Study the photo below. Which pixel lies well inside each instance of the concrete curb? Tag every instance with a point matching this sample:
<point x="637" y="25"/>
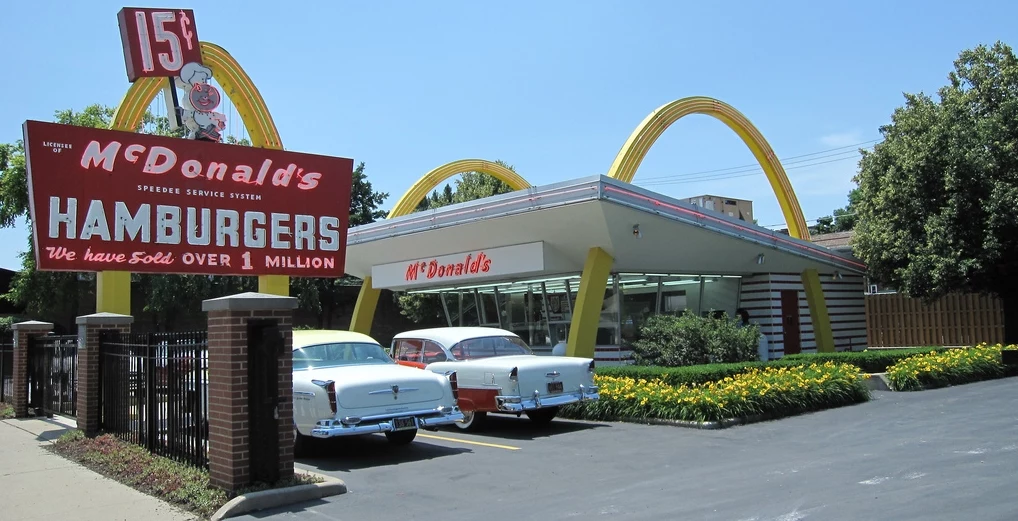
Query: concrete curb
<point x="277" y="497"/>
<point x="878" y="382"/>
<point x="712" y="425"/>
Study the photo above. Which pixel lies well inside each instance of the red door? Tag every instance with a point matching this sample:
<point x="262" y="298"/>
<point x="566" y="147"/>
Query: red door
<point x="790" y="322"/>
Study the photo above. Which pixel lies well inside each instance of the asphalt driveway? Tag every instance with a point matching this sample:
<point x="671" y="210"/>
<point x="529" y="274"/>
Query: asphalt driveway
<point x="948" y="454"/>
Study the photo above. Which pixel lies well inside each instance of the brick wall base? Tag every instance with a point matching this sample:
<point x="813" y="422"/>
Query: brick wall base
<point x="229" y="411"/>
<point x="89" y="327"/>
<point x="23" y="333"/>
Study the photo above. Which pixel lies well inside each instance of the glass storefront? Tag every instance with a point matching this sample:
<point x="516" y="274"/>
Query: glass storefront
<point x="540" y="310"/>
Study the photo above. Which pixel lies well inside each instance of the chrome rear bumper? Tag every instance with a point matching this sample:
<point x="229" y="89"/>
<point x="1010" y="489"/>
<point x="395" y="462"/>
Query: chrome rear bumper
<point x="351" y="426"/>
<point x="536" y="401"/>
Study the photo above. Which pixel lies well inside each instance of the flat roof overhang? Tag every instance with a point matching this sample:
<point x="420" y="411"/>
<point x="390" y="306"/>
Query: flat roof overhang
<point x="571" y="217"/>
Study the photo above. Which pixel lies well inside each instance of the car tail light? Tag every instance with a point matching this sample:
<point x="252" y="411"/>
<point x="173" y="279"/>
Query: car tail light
<point x="590" y="368"/>
<point x="455" y="386"/>
<point x="330" y="390"/>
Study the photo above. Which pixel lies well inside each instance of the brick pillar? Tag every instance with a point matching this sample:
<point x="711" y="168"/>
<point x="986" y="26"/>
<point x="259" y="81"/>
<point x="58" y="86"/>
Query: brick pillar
<point x="229" y="413"/>
<point x="89" y="327"/>
<point x="23" y="331"/>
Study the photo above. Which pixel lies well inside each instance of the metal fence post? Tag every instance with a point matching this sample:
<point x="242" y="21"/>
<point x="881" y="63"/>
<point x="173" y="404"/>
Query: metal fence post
<point x="150" y="392"/>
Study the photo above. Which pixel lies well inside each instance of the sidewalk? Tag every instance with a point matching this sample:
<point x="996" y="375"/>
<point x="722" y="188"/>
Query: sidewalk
<point x="36" y="484"/>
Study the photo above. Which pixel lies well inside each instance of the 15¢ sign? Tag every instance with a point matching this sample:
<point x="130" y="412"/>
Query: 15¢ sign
<point x="158" y="42"/>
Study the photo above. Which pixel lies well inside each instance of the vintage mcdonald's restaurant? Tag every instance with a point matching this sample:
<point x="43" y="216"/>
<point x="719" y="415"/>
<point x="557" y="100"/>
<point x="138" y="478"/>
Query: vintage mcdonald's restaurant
<point x="588" y="260"/>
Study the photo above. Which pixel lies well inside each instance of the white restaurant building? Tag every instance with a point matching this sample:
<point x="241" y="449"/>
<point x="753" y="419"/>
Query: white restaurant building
<point x="515" y="261"/>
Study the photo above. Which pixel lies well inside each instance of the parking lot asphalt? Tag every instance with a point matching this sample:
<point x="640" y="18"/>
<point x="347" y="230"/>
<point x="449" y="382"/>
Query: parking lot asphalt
<point x="947" y="454"/>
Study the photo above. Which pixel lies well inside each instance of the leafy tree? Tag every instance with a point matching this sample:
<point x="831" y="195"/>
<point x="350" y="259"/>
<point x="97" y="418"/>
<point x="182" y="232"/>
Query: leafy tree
<point x="843" y="220"/>
<point x="58" y="295"/>
<point x="50" y="295"/>
<point x="938" y="196"/>
<point x="427" y="308"/>
<point x="323" y="295"/>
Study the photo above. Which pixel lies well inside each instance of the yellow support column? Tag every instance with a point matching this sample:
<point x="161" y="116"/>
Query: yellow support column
<point x="274" y="285"/>
<point x="818" y="311"/>
<point x="113" y="292"/>
<point x="589" y="299"/>
<point x="364" y="309"/>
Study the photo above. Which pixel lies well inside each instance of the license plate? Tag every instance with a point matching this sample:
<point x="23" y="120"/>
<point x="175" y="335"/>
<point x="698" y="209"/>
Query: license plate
<point x="403" y="424"/>
<point x="554" y="387"/>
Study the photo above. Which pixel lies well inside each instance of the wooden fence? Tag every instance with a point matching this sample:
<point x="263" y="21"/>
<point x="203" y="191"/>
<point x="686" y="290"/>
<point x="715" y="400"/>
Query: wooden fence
<point x="893" y="320"/>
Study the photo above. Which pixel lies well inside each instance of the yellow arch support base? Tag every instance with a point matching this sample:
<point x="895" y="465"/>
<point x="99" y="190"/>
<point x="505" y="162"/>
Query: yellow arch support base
<point x="364" y="309"/>
<point x="113" y="289"/>
<point x="113" y="292"/>
<point x="818" y="311"/>
<point x="367" y="299"/>
<point x="589" y="299"/>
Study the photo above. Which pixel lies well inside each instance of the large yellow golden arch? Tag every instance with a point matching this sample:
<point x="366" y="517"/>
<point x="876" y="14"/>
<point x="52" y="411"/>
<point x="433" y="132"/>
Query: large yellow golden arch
<point x="650" y="129"/>
<point x="583" y="333"/>
<point x="113" y="288"/>
<point x="367" y="299"/>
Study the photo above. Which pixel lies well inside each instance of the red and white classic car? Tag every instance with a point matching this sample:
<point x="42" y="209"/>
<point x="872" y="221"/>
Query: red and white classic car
<point x="497" y="372"/>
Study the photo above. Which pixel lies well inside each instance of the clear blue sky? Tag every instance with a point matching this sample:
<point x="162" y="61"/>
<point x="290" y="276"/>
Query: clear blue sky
<point x="553" y="88"/>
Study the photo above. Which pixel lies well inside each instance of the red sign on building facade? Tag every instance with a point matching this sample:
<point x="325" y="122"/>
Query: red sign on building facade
<point x="158" y="42"/>
<point x="108" y="200"/>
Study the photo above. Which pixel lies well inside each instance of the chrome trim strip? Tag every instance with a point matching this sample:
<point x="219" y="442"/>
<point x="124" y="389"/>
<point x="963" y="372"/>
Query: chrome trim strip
<point x="397" y="391"/>
<point x="334" y="428"/>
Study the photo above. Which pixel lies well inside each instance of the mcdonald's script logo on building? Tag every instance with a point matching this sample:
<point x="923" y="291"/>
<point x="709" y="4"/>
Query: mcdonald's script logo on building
<point x="107" y="200"/>
<point x="481" y="263"/>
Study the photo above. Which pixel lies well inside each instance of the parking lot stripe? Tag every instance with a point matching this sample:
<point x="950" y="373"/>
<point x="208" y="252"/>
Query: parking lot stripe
<point x="457" y="440"/>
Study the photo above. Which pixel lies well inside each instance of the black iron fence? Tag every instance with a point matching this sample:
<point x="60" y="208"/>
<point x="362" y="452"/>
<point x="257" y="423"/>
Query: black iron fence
<point x="6" y="366"/>
<point x="53" y="374"/>
<point x="154" y="392"/>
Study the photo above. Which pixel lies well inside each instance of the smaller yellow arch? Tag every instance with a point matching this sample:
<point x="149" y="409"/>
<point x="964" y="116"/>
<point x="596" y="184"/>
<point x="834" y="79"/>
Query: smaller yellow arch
<point x="367" y="299"/>
<point x="650" y="129"/>
<point x="432" y="179"/>
<point x="113" y="288"/>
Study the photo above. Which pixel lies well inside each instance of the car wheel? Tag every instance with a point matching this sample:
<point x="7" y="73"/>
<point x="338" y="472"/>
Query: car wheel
<point x="401" y="437"/>
<point x="472" y="420"/>
<point x="542" y="416"/>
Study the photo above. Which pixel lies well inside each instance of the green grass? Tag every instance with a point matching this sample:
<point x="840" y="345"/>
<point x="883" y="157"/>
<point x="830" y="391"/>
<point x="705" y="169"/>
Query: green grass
<point x="6" y="411"/>
<point x="183" y="485"/>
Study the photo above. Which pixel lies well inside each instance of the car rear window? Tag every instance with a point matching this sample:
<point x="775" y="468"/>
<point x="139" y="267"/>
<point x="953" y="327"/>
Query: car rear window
<point x="489" y="347"/>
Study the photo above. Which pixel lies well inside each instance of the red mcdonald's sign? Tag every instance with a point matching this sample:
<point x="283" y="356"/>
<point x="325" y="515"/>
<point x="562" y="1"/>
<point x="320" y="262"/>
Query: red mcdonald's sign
<point x="109" y="200"/>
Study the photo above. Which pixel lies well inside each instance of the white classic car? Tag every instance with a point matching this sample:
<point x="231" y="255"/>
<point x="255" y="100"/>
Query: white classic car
<point x="345" y="384"/>
<point x="497" y="372"/>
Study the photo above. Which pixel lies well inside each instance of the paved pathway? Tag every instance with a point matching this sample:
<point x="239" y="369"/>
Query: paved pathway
<point x="36" y="484"/>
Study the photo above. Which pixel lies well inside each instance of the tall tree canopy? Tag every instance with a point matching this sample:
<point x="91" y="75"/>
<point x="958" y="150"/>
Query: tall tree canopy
<point x="842" y="220"/>
<point x="938" y="195"/>
<point x="322" y="295"/>
<point x="470" y="186"/>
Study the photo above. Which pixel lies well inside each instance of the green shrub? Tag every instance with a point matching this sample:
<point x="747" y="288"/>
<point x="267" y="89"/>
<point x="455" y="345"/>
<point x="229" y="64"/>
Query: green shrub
<point x="686" y="340"/>
<point x="870" y="361"/>
<point x="5" y="324"/>
<point x="950" y="367"/>
<point x="774" y="391"/>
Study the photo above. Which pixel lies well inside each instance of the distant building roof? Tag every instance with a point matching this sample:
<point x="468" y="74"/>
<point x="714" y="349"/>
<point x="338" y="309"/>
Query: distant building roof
<point x="838" y="241"/>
